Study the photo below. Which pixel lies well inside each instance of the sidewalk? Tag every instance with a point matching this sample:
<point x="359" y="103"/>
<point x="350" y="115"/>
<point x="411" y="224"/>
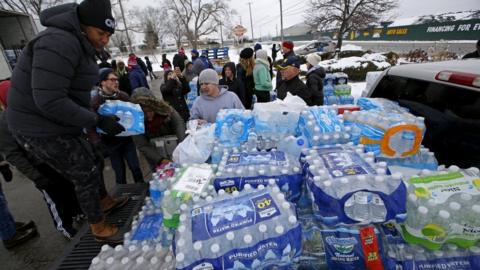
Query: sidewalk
<point x="26" y="203"/>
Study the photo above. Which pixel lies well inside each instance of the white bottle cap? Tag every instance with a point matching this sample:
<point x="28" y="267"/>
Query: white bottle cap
<point x="222" y="192"/>
<point x="197" y="245"/>
<point x="230" y="236"/>
<point x="423" y="210"/>
<point x="180" y="257"/>
<point x="444" y="214"/>
<point x="412" y="197"/>
<point x="125" y="260"/>
<point x="247" y="187"/>
<point x="168" y="258"/>
<point x="279" y="229"/>
<point x="361" y="177"/>
<point x="327" y="183"/>
<point x="262" y="228"/>
<point x="215" y="248"/>
<point x="182" y="228"/>
<point x="96" y="260"/>
<point x="110" y="260"/>
<point x="260" y="187"/>
<point x="247" y="239"/>
<point x="140" y="260"/>
<point x="181" y="242"/>
<point x="455" y="206"/>
<point x="235" y="193"/>
<point x="281" y="196"/>
<point x="292" y="219"/>
<point x="285" y="205"/>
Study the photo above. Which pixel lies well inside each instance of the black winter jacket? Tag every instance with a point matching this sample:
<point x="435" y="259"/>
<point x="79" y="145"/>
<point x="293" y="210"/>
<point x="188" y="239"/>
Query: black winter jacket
<point x="175" y="94"/>
<point x="297" y="88"/>
<point x="234" y="85"/>
<point x="315" y="85"/>
<point x="179" y="61"/>
<point x="51" y="84"/>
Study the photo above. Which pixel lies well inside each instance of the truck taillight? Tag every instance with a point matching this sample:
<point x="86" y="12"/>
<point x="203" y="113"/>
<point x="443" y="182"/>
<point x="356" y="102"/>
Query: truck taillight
<point x="468" y="79"/>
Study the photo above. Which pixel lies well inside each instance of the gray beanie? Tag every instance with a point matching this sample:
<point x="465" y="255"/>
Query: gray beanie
<point x="208" y="76"/>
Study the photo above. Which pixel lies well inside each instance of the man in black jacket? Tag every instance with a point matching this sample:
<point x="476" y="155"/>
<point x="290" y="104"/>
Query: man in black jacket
<point x="49" y="103"/>
<point x="179" y="59"/>
<point x="287" y="50"/>
<point x="291" y="82"/>
<point x="315" y="76"/>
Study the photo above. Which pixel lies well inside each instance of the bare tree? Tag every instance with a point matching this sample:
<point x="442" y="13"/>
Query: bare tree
<point x="31" y="7"/>
<point x="199" y="18"/>
<point x="119" y="40"/>
<point x="346" y="15"/>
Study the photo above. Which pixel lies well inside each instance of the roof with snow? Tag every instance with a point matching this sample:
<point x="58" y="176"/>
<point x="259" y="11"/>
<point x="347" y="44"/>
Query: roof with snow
<point x="443" y="17"/>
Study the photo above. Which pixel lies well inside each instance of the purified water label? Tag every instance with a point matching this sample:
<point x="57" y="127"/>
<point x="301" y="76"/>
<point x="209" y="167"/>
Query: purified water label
<point x="441" y="187"/>
<point x="257" y="158"/>
<point x="194" y="180"/>
<point x="341" y="163"/>
<point x="221" y="217"/>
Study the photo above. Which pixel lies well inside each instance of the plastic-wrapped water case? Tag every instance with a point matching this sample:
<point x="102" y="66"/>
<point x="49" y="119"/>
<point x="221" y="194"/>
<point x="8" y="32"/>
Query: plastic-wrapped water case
<point x="233" y="125"/>
<point x="387" y="134"/>
<point x="190" y="181"/>
<point x="248" y="230"/>
<point x="193" y="94"/>
<point x="444" y="207"/>
<point x="322" y="126"/>
<point x="353" y="248"/>
<point x="347" y="186"/>
<point x="131" y="116"/>
<point x="259" y="168"/>
<point x="380" y="104"/>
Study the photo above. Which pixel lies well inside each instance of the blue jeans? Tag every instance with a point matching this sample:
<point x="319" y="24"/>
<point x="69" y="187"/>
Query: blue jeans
<point x="7" y="223"/>
<point x="125" y="151"/>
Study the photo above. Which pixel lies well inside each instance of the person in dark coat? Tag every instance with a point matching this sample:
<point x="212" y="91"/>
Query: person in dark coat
<point x="229" y="78"/>
<point x="140" y="62"/>
<point x="160" y="120"/>
<point x="49" y="103"/>
<point x="194" y="54"/>
<point x="274" y="52"/>
<point x="166" y="63"/>
<point x="174" y="91"/>
<point x="179" y="59"/>
<point x="123" y="78"/>
<point x="150" y="68"/>
<point x="58" y="192"/>
<point x="245" y="74"/>
<point x="136" y="75"/>
<point x="287" y="50"/>
<point x="475" y="54"/>
<point x="291" y="82"/>
<point x="188" y="72"/>
<point x="119" y="149"/>
<point x="315" y="76"/>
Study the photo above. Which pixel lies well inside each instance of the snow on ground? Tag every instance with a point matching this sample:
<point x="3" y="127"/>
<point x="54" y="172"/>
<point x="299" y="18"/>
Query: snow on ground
<point x="355" y="62"/>
<point x="351" y="47"/>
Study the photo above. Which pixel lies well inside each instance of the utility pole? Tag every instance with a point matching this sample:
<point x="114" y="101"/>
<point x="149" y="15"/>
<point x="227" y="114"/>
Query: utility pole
<point x="276" y="30"/>
<point x="125" y="24"/>
<point x="251" y="22"/>
<point x="281" y="21"/>
<point x="221" y="33"/>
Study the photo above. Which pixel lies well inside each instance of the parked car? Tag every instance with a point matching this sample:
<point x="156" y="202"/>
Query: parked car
<point x="447" y="95"/>
<point x="322" y="45"/>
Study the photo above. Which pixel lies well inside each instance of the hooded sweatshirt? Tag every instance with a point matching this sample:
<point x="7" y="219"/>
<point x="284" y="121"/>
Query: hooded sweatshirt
<point x="206" y="107"/>
<point x="261" y="75"/>
<point x="235" y="85"/>
<point x="50" y="91"/>
<point x="315" y="78"/>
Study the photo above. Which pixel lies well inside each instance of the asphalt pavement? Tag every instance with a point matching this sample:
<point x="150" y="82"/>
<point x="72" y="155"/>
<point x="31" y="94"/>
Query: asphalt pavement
<point x="26" y="203"/>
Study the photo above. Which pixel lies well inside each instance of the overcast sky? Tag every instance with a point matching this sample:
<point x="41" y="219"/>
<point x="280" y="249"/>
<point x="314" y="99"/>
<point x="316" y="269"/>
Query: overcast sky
<point x="266" y="13"/>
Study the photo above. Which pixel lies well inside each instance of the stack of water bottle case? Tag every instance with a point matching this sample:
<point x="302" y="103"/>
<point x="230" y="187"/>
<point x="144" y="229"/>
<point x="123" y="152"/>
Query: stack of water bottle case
<point x="308" y="189"/>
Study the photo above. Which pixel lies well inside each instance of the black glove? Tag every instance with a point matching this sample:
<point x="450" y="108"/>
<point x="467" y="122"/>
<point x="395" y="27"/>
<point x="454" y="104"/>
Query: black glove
<point x="109" y="124"/>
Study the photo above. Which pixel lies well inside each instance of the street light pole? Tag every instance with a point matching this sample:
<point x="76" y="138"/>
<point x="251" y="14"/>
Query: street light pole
<point x="251" y="22"/>
<point x="281" y="21"/>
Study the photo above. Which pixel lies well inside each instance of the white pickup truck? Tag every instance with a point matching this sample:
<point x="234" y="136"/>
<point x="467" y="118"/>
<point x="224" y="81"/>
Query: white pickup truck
<point x="447" y="94"/>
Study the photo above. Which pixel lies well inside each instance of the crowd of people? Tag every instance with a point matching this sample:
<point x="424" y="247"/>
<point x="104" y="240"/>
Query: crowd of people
<point x="49" y="120"/>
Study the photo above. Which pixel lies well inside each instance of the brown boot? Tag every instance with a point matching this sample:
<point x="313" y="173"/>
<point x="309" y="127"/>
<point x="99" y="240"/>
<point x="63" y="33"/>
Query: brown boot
<point x="109" y="204"/>
<point x="106" y="233"/>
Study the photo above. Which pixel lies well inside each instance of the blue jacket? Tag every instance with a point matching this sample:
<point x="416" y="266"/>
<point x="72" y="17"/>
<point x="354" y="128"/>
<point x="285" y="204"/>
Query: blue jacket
<point x="137" y="78"/>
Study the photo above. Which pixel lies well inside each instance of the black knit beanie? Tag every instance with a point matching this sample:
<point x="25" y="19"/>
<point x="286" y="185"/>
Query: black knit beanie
<point x="97" y="13"/>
